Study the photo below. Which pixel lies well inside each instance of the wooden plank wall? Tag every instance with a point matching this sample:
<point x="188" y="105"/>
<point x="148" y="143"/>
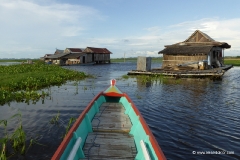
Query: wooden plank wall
<point x="172" y="60"/>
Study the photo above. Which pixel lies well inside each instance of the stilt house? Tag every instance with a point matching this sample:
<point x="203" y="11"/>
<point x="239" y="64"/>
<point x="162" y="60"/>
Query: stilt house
<point x="74" y="56"/>
<point x="97" y="55"/>
<point x="198" y="48"/>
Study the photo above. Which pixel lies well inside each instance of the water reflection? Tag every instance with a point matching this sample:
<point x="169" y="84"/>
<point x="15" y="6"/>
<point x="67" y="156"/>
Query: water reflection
<point x="185" y="115"/>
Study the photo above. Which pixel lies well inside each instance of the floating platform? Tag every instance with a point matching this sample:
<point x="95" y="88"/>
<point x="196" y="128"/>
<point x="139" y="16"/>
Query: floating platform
<point x="185" y="73"/>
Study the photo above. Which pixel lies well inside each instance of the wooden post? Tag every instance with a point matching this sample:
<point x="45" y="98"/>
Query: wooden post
<point x="223" y="56"/>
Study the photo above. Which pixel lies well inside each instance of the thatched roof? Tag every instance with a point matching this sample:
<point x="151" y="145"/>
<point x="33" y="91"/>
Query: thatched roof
<point x="174" y="50"/>
<point x="199" y="36"/>
<point x="197" y="43"/>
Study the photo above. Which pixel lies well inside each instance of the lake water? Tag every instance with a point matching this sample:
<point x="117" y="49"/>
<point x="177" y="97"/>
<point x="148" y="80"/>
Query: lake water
<point x="8" y="63"/>
<point x="188" y="117"/>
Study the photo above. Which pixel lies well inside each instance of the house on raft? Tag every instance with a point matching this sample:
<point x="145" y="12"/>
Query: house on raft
<point x="199" y="51"/>
<point x="79" y="56"/>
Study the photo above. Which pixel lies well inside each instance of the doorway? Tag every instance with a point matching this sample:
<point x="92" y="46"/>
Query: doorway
<point x="83" y="59"/>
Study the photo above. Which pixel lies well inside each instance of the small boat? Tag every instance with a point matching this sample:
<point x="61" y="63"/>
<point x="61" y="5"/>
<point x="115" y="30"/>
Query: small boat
<point x="110" y="127"/>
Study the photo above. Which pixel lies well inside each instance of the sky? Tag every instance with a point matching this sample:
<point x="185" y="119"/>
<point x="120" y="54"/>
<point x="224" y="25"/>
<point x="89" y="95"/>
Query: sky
<point x="33" y="28"/>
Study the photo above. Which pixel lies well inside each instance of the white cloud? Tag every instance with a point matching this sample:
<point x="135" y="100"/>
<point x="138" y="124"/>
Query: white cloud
<point x="30" y="24"/>
<point x="153" y="39"/>
<point x="223" y="30"/>
<point x="38" y="27"/>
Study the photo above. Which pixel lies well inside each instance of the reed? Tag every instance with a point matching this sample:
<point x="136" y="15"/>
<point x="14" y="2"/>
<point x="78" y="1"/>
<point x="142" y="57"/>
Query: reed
<point x="13" y="144"/>
<point x="70" y="122"/>
<point x="55" y="119"/>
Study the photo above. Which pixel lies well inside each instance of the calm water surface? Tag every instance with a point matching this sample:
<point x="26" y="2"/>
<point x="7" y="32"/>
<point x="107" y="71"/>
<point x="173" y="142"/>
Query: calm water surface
<point x="186" y="116"/>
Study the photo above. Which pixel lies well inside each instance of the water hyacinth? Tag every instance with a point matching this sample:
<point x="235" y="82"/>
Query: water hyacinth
<point x="21" y="82"/>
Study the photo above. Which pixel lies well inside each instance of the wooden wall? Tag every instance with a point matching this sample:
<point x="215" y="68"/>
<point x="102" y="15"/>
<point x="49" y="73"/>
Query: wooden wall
<point x="174" y="60"/>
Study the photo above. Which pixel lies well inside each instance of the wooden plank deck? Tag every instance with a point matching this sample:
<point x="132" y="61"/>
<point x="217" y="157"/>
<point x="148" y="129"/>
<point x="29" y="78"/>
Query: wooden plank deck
<point x="110" y="138"/>
<point x="215" y="72"/>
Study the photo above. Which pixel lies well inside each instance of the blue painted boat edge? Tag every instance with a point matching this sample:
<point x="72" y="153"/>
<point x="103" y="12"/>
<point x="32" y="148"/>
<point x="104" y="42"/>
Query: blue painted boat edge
<point x="63" y="148"/>
<point x="84" y="128"/>
<point x="139" y="130"/>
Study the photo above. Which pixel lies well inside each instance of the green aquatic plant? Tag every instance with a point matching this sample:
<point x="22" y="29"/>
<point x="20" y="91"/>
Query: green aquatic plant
<point x="70" y="122"/>
<point x="125" y="76"/>
<point x="234" y="62"/>
<point x="21" y="82"/>
<point x="85" y="88"/>
<point x="15" y="143"/>
<point x="55" y="119"/>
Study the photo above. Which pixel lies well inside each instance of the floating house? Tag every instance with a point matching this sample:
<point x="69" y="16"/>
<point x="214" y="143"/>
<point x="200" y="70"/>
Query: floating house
<point x="59" y="51"/>
<point x="199" y="51"/>
<point x="199" y="56"/>
<point x="79" y="56"/>
<point x="73" y="56"/>
<point x="46" y="57"/>
<point x="97" y="55"/>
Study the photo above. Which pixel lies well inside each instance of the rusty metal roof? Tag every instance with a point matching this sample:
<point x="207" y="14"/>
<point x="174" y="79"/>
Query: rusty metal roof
<point x="97" y="50"/>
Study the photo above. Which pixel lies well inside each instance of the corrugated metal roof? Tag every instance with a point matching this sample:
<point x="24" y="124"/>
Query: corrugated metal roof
<point x="75" y="50"/>
<point x="55" y="56"/>
<point x="74" y="55"/>
<point x="97" y="50"/>
<point x="47" y="55"/>
<point x="58" y="51"/>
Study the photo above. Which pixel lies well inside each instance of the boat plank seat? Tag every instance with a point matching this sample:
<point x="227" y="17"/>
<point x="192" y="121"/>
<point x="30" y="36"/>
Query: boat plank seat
<point x="109" y="146"/>
<point x="111" y="118"/>
<point x="110" y="138"/>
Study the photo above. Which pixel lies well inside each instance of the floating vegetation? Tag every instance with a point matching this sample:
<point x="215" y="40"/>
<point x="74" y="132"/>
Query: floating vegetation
<point x="21" y="96"/>
<point x="21" y="82"/>
<point x="55" y="119"/>
<point x="85" y="88"/>
<point x="138" y="96"/>
<point x="125" y="76"/>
